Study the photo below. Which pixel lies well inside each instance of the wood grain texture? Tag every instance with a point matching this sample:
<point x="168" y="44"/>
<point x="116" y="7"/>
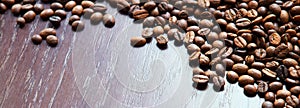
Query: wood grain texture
<point x="98" y="68"/>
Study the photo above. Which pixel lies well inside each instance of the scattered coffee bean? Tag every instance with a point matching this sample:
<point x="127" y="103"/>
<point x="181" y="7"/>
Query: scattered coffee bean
<point x="161" y="40"/>
<point x="45" y="14"/>
<point x="96" y="18"/>
<point x="29" y="16"/>
<point x="108" y="20"/>
<point x="270" y="96"/>
<point x="77" y="26"/>
<point x="245" y="79"/>
<point x="55" y="20"/>
<point x="77" y="10"/>
<point x="137" y="41"/>
<point x="21" y="21"/>
<point x="52" y="40"/>
<point x="283" y="94"/>
<point x="36" y="39"/>
<point x="47" y="31"/>
<point x="202" y="79"/>
<point x="70" y="5"/>
<point x="250" y="90"/>
<point x="16" y="9"/>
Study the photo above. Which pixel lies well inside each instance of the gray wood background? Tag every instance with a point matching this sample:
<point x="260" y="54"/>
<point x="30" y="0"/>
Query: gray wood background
<point x="98" y="68"/>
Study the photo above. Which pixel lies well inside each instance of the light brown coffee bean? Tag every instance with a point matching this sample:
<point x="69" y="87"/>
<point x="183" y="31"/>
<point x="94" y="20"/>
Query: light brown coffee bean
<point x="36" y="39"/>
<point x="45" y="14"/>
<point x="29" y="16"/>
<point x="137" y="41"/>
<point x="47" y="31"/>
<point x="245" y="80"/>
<point x="70" y="5"/>
<point x="161" y="40"/>
<point x="77" y="10"/>
<point x="52" y="40"/>
<point x="240" y="68"/>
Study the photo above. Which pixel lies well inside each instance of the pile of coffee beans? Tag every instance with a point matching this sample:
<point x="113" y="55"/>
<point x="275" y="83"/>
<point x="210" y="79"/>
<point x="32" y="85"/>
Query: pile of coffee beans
<point x="254" y="43"/>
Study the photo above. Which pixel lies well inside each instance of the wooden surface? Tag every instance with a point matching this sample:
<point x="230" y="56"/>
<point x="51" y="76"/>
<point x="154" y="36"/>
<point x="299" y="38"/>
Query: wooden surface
<point x="98" y="68"/>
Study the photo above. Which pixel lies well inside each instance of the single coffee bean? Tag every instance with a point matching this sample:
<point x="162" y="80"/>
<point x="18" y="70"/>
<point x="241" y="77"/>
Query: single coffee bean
<point x="275" y="39"/>
<point x="295" y="90"/>
<point x="204" y="32"/>
<point x="36" y="39"/>
<point x="284" y="16"/>
<point x="108" y="20"/>
<point x="98" y="7"/>
<point x="21" y="21"/>
<point x="237" y="58"/>
<point x="279" y="103"/>
<point x="291" y="82"/>
<point x="270" y="17"/>
<point x="182" y="23"/>
<point x="240" y="42"/>
<point x="149" y="21"/>
<point x="262" y="10"/>
<point x="212" y="51"/>
<point x="55" y="5"/>
<point x="3" y="8"/>
<point x="70" y="5"/>
<point x="73" y="18"/>
<point x="259" y="32"/>
<point x="288" y="62"/>
<point x="29" y="16"/>
<point x="137" y="41"/>
<point x="160" y="21"/>
<point x="123" y="6"/>
<point x="250" y="90"/>
<point x="295" y="10"/>
<point x="161" y="40"/>
<point x="287" y="4"/>
<point x="258" y="65"/>
<point x="87" y="4"/>
<point x="269" y="73"/>
<point x="96" y="18"/>
<point x="282" y="72"/>
<point x="249" y="59"/>
<point x="212" y="36"/>
<point x="158" y="30"/>
<point x="275" y="8"/>
<point x="294" y="71"/>
<point x="195" y="56"/>
<point x="219" y="83"/>
<point x="283" y="94"/>
<point x="147" y="32"/>
<point x="77" y="10"/>
<point x="230" y="15"/>
<point x="55" y="20"/>
<point x="87" y="12"/>
<point x="232" y="77"/>
<point x="167" y="28"/>
<point x="16" y="9"/>
<point x="205" y="23"/>
<point x="193" y="48"/>
<point x="270" y="96"/>
<point x="292" y="101"/>
<point x="45" y="14"/>
<point x="77" y="25"/>
<point x="245" y="80"/>
<point x="204" y="3"/>
<point x="46" y="32"/>
<point x="267" y="104"/>
<point x="262" y="87"/>
<point x="140" y="14"/>
<point x="282" y="50"/>
<point x="220" y="68"/>
<point x="189" y="37"/>
<point x="61" y="13"/>
<point x="225" y="52"/>
<point x="26" y="7"/>
<point x="38" y="8"/>
<point x="231" y="27"/>
<point x="272" y="65"/>
<point x="256" y="74"/>
<point x="204" y="60"/>
<point x="199" y="40"/>
<point x="243" y="22"/>
<point x="52" y="40"/>
<point x="201" y="79"/>
<point x="252" y="14"/>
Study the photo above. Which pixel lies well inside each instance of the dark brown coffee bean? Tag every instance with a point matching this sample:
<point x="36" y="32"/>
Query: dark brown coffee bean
<point x="45" y="14"/>
<point x="96" y="18"/>
<point x="270" y="17"/>
<point x="256" y="74"/>
<point x="219" y="83"/>
<point x="295" y="90"/>
<point x="77" y="10"/>
<point x="21" y="21"/>
<point x="222" y="22"/>
<point x="140" y="14"/>
<point x="52" y="40"/>
<point x="270" y="96"/>
<point x="275" y="39"/>
<point x="193" y="48"/>
<point x="8" y="2"/>
<point x="55" y="20"/>
<point x="163" y="7"/>
<point x="26" y="7"/>
<point x="279" y="103"/>
<point x="287" y="4"/>
<point x="232" y="77"/>
<point x="70" y="5"/>
<point x="295" y="10"/>
<point x="296" y="18"/>
<point x="55" y="5"/>
<point x="237" y="58"/>
<point x="282" y="72"/>
<point x="243" y="22"/>
<point x="61" y="13"/>
<point x="108" y="20"/>
<point x="201" y="79"/>
<point x="283" y="94"/>
<point x="289" y="62"/>
<point x="240" y="68"/>
<point x="269" y="73"/>
<point x="161" y="40"/>
<point x="87" y="4"/>
<point x="182" y="23"/>
<point x="204" y="60"/>
<point x="150" y="5"/>
<point x="16" y="9"/>
<point x="245" y="80"/>
<point x="160" y="21"/>
<point x="260" y="53"/>
<point x="73" y="18"/>
<point x="230" y="1"/>
<point x="29" y="16"/>
<point x="267" y="104"/>
<point x="281" y="50"/>
<point x="77" y="25"/>
<point x="3" y="8"/>
<point x="36" y="39"/>
<point x="230" y="15"/>
<point x="258" y="65"/>
<point x="284" y="16"/>
<point x="259" y="32"/>
<point x="272" y="65"/>
<point x="46" y="32"/>
<point x="240" y="42"/>
<point x="262" y="87"/>
<point x="292" y="101"/>
<point x="231" y="27"/>
<point x="275" y="8"/>
<point x="291" y="82"/>
<point x="252" y="14"/>
<point x="262" y="10"/>
<point x="250" y="90"/>
<point x="137" y="41"/>
<point x="294" y="72"/>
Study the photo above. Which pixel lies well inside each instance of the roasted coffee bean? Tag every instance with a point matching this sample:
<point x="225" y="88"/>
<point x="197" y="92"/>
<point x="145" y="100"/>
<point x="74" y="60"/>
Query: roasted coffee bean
<point x="52" y="40"/>
<point x="295" y="90"/>
<point x="77" y="25"/>
<point x="220" y="68"/>
<point x="26" y="7"/>
<point x="287" y="4"/>
<point x="269" y="73"/>
<point x="189" y="37"/>
<point x="36" y="39"/>
<point x="47" y="31"/>
<point x="288" y="62"/>
<point x="108" y="20"/>
<point x="96" y="18"/>
<point x="230" y="15"/>
<point x="147" y="32"/>
<point x="294" y="71"/>
<point x="87" y="4"/>
<point x="140" y="14"/>
<point x="256" y="74"/>
<point x="259" y="32"/>
<point x="219" y="83"/>
<point x="204" y="32"/>
<point x="87" y="12"/>
<point x="291" y="82"/>
<point x="3" y="8"/>
<point x="272" y="65"/>
<point x="204" y="60"/>
<point x="198" y="71"/>
<point x="267" y="104"/>
<point x="158" y="30"/>
<point x="73" y="18"/>
<point x="98" y="7"/>
<point x="275" y="86"/>
<point x="137" y="41"/>
<point x="161" y="40"/>
<point x="193" y="48"/>
<point x="160" y="21"/>
<point x="295" y="10"/>
<point x="123" y="6"/>
<point x="270" y="96"/>
<point x="250" y="90"/>
<point x="195" y="56"/>
<point x="283" y="94"/>
<point x="201" y="79"/>
<point x="45" y="14"/>
<point x="150" y="5"/>
<point x="260" y="53"/>
<point x="225" y="52"/>
<point x="29" y="16"/>
<point x="292" y="101"/>
<point x="245" y="80"/>
<point x="232" y="77"/>
<point x="275" y="8"/>
<point x="55" y="20"/>
<point x="55" y="5"/>
<point x="240" y="68"/>
<point x="212" y="51"/>
<point x="284" y="16"/>
<point x="243" y="22"/>
<point x="275" y="39"/>
<point x="282" y="50"/>
<point x="262" y="10"/>
<point x="240" y="42"/>
<point x="21" y="21"/>
<point x="237" y="58"/>
<point x="204" y="3"/>
<point x="149" y="21"/>
<point x="182" y="24"/>
<point x="77" y="10"/>
<point x="282" y="72"/>
<point x="61" y="13"/>
<point x="70" y="5"/>
<point x="212" y="36"/>
<point x="231" y="27"/>
<point x="279" y="103"/>
<point x="252" y="14"/>
<point x="262" y="87"/>
<point x="222" y="22"/>
<point x="16" y="9"/>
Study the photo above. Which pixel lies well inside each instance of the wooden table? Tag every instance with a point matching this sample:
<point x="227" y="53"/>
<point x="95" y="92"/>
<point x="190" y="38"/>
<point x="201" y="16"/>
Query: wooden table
<point x="98" y="68"/>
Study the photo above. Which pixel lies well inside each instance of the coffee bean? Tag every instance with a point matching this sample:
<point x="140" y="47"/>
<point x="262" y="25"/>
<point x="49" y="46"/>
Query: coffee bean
<point x="149" y="21"/>
<point x="295" y="10"/>
<point x="189" y="37"/>
<point x="160" y="21"/>
<point x="140" y="14"/>
<point x="250" y="90"/>
<point x="73" y="18"/>
<point x="150" y="5"/>
<point x="21" y="21"/>
<point x="230" y="1"/>
<point x="87" y="4"/>
<point x="230" y="15"/>
<point x="195" y="56"/>
<point x="45" y="14"/>
<point x="245" y="80"/>
<point x="282" y="72"/>
<point x="26" y="7"/>
<point x="272" y="65"/>
<point x="279" y="103"/>
<point x="52" y="40"/>
<point x="281" y="50"/>
<point x="294" y="72"/>
<point x="161" y="40"/>
<point x="137" y="41"/>
<point x="287" y="4"/>
<point x="267" y="104"/>
<point x="212" y="36"/>
<point x="70" y="5"/>
<point x="77" y="10"/>
<point x="269" y="73"/>
<point x="220" y="68"/>
<point x="201" y="79"/>
<point x="252" y="14"/>
<point x="87" y="12"/>
<point x="225" y="52"/>
<point x="46" y="32"/>
<point x="219" y="83"/>
<point x="193" y="48"/>
<point x="284" y="16"/>
<point x="147" y="32"/>
<point x="61" y="13"/>
<point x="275" y="39"/>
<point x="108" y="20"/>
<point x="204" y="60"/>
<point x="205" y="23"/>
<point x="283" y="94"/>
<point x="243" y="22"/>
<point x="182" y="24"/>
<point x="96" y="18"/>
<point x="240" y="42"/>
<point x="77" y="25"/>
<point x="123" y="6"/>
<point x="289" y="62"/>
<point x="232" y="77"/>
<point x="212" y="51"/>
<point x="36" y="39"/>
<point x="275" y="8"/>
<point x="29" y="16"/>
<point x="295" y="90"/>
<point x="16" y="9"/>
<point x="256" y="74"/>
<point x="237" y="58"/>
<point x="204" y="32"/>
<point x="270" y="96"/>
<point x="3" y="8"/>
<point x="231" y="27"/>
<point x="292" y="101"/>
<point x="55" y="5"/>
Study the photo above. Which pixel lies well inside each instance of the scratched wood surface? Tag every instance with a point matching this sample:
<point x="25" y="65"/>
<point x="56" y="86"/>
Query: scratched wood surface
<point x="98" y="68"/>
